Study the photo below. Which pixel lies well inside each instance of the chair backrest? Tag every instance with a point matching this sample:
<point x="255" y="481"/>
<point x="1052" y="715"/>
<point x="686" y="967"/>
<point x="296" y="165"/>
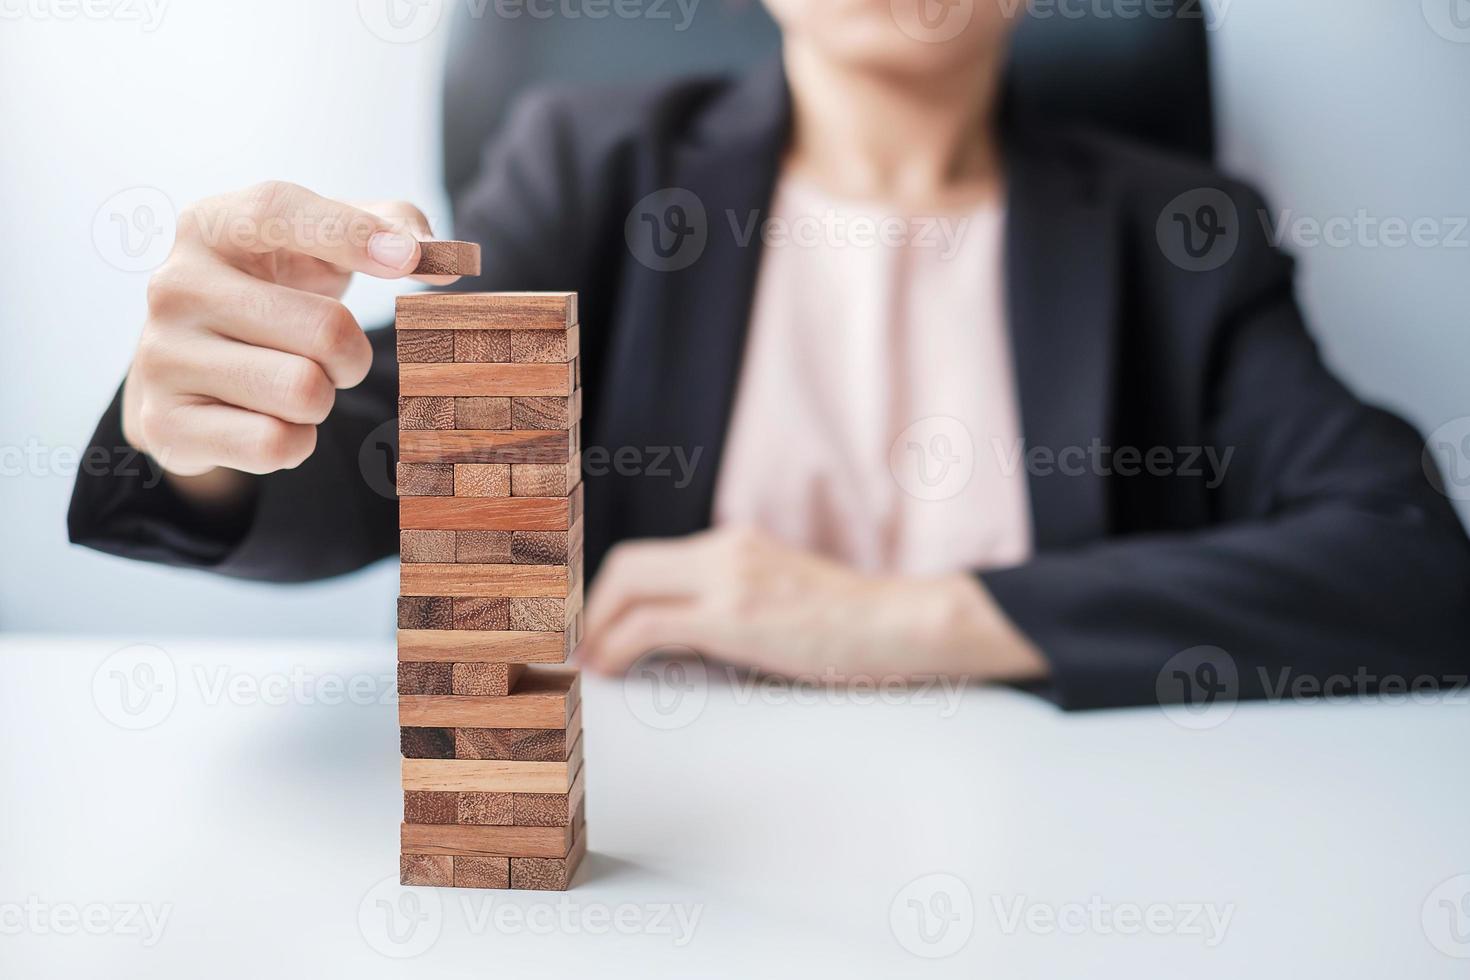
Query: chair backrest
<point x="1145" y="76"/>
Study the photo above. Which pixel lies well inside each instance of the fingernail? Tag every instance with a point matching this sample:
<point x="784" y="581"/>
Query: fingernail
<point x="391" y="250"/>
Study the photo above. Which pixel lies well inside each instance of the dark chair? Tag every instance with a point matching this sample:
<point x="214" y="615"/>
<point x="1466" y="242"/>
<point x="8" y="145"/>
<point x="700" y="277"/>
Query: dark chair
<point x="1145" y="77"/>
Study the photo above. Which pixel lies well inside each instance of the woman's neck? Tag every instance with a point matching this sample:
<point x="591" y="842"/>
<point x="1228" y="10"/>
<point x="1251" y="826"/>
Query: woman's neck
<point x="917" y="142"/>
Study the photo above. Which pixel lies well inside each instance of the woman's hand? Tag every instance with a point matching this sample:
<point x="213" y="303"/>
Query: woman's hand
<point x="742" y="597"/>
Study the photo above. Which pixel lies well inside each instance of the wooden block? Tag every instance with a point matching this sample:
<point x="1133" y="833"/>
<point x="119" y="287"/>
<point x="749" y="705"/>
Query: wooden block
<point x="425" y="479"/>
<point x="485" y="446"/>
<point x="474" y="412"/>
<point x="519" y="744"/>
<point x="481" y="346"/>
<point x="430" y="807"/>
<point x="542" y="614"/>
<point x="507" y="380"/>
<point x="482" y="646"/>
<point x="545" y="698"/>
<point x="433" y="546"/>
<point x="540" y="547"/>
<point x="484" y="547"/>
<point x="544" y="346"/>
<point x="447" y="258"/>
<point x="544" y="479"/>
<point x="426" y="743"/>
<point x="479" y="679"/>
<point x="549" y="809"/>
<point x="426" y="413"/>
<point x="479" y="311"/>
<point x="544" y="413"/>
<point x="473" y="581"/>
<point x="551" y="874"/>
<point x="484" y="809"/>
<point x="481" y="872"/>
<point x="484" y="841"/>
<point x="425" y="612"/>
<point x="485" y="513"/>
<point x="425" y="677"/>
<point x="481" y="480"/>
<point x="425" y="346"/>
<point x="481" y="613"/>
<point x="434" y="870"/>
<point x="484" y="776"/>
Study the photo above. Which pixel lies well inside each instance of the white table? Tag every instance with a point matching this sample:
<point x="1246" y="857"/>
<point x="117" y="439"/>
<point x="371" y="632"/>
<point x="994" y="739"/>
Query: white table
<point x="765" y="836"/>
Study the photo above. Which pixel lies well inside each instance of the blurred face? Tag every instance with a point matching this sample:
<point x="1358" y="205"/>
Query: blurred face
<point x="908" y="37"/>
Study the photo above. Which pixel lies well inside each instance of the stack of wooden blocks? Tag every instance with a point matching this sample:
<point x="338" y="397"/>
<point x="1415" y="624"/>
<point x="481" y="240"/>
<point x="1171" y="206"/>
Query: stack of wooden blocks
<point x="491" y="589"/>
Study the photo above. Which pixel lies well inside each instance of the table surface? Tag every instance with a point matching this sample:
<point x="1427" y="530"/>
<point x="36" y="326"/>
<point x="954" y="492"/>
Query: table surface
<point x="233" y="807"/>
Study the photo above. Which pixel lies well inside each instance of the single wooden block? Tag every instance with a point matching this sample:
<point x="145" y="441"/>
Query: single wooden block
<point x="484" y="547"/>
<point x="426" y="413"/>
<point x="481" y="613"/>
<point x="481" y="872"/>
<point x="543" y="479"/>
<point x="543" y="614"/>
<point x="483" y="646"/>
<point x="506" y="380"/>
<point x="484" y="776"/>
<point x="544" y="413"/>
<point x="484" y="841"/>
<point x="549" y="809"/>
<point x="544" y="346"/>
<point x="431" y="546"/>
<point x="474" y="581"/>
<point x="485" y="679"/>
<point x="519" y="744"/>
<point x="546" y="697"/>
<point x="425" y="480"/>
<point x="447" y="258"/>
<point x="425" y="613"/>
<point x="484" y="809"/>
<point x="430" y="807"/>
<point x="480" y="311"/>
<point x="485" y="513"/>
<point x="540" y="547"/>
<point x="473" y="412"/>
<point x="485" y="446"/>
<point x="433" y="870"/>
<point x="425" y="346"/>
<point x="426" y="743"/>
<point x="481" y="480"/>
<point x="551" y="874"/>
<point x="425" y="677"/>
<point x="481" y="346"/>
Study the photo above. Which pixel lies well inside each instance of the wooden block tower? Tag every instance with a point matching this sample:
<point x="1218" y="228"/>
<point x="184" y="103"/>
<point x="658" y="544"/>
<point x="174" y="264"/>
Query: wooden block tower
<point x="490" y="518"/>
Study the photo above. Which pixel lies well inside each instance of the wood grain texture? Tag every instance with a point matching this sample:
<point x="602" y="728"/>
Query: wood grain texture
<point x="507" y="380"/>
<point x="448" y="258"/>
<point x="425" y="612"/>
<point x="481" y="613"/>
<point x="425" y="677"/>
<point x="485" y="513"/>
<point x="544" y="346"/>
<point x="484" y="809"/>
<point x="425" y="347"/>
<point x="540" y="547"/>
<point x="551" y="874"/>
<point x="550" y="809"/>
<point x="546" y="697"/>
<point x="485" y="446"/>
<point x="480" y="679"/>
<point x="481" y="872"/>
<point x="544" y="479"/>
<point x="467" y="580"/>
<point x="485" y="547"/>
<point x="481" y="480"/>
<point x="519" y="744"/>
<point x="432" y="870"/>
<point x="432" y="546"/>
<point x="430" y="807"/>
<point x="482" y="646"/>
<point x="537" y="614"/>
<point x="549" y="412"/>
<point x="479" y="311"/>
<point x="474" y="412"/>
<point x="481" y="346"/>
<point x="486" y="841"/>
<point x="482" y="776"/>
<point x="426" y="412"/>
<point x="425" y="479"/>
<point x="416" y="742"/>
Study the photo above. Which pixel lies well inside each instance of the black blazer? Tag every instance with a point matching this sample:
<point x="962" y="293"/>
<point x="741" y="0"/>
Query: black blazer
<point x="1323" y="550"/>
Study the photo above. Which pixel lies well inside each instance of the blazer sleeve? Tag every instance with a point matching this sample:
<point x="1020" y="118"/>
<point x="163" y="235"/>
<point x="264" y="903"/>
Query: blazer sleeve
<point x="338" y="511"/>
<point x="1331" y="557"/>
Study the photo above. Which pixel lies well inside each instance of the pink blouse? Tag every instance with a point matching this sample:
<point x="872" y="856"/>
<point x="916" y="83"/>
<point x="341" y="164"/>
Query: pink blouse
<point x="876" y="419"/>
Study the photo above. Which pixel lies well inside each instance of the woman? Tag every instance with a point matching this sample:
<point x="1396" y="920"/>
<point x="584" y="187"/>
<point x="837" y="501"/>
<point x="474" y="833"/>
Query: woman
<point x="1043" y="451"/>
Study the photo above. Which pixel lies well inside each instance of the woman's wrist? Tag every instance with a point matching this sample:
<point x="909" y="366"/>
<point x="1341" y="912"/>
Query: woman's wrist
<point x="972" y="637"/>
